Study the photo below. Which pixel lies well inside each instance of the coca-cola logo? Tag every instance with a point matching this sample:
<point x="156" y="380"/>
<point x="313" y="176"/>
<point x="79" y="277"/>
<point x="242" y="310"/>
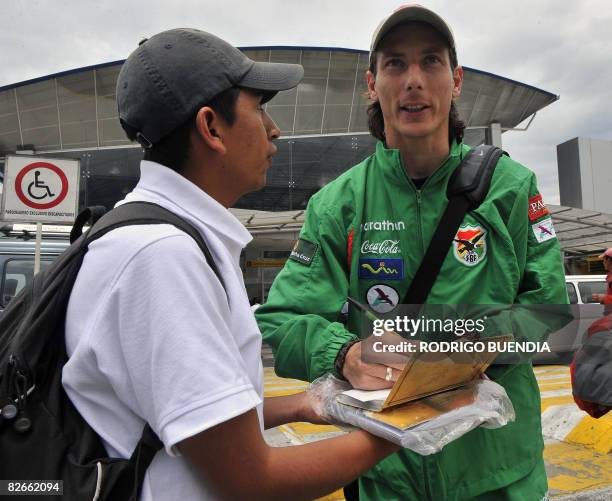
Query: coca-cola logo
<point x="384" y="247"/>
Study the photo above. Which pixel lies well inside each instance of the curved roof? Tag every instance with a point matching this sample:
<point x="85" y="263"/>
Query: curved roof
<point x="582" y="232"/>
<point x="76" y="109"/>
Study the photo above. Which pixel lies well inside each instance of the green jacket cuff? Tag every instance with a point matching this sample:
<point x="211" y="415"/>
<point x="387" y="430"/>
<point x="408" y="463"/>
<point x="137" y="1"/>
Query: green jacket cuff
<point x="337" y="337"/>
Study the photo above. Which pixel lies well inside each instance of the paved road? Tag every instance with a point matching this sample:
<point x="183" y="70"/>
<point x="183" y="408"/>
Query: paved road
<point x="576" y="471"/>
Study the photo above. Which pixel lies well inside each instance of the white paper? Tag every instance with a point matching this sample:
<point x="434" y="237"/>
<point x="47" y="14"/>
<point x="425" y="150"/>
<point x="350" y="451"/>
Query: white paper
<point x="368" y="395"/>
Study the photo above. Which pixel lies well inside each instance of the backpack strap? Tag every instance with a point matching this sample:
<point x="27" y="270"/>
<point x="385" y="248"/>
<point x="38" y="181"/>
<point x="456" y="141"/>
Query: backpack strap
<point x="146" y="448"/>
<point x="467" y="189"/>
<point x="138" y="213"/>
<point x="88" y="215"/>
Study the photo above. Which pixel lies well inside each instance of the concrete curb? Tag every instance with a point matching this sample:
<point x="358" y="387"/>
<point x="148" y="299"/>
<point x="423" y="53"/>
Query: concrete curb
<point x="567" y="423"/>
<point x="604" y="494"/>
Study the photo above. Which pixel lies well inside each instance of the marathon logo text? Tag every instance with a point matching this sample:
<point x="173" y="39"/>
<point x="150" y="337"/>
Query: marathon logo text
<point x="382" y="225"/>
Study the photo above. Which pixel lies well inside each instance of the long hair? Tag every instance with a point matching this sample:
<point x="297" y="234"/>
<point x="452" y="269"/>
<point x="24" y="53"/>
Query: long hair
<point x="376" y="122"/>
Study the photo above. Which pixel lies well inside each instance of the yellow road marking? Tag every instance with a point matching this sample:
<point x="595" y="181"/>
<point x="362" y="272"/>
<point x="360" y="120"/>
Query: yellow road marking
<point x="554" y="379"/>
<point x="334" y="496"/>
<point x="547" y="369"/>
<point x="555" y="386"/>
<point x="280" y="393"/>
<point x="596" y="433"/>
<point x="576" y="468"/>
<point x="312" y="429"/>
<point x="547" y="402"/>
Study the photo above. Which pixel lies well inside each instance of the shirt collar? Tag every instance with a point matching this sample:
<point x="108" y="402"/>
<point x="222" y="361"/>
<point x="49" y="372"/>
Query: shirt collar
<point x="162" y="185"/>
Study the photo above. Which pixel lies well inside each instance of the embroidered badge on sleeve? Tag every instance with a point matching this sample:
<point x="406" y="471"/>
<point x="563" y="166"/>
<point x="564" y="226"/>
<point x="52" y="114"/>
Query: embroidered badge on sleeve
<point x="537" y="209"/>
<point x="304" y="251"/>
<point x="544" y="230"/>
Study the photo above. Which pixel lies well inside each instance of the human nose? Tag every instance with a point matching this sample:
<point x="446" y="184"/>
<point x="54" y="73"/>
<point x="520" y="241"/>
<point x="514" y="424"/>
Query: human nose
<point x="271" y="127"/>
<point x="414" y="77"/>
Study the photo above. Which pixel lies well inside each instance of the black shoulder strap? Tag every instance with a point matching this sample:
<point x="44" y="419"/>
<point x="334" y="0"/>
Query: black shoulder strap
<point x="87" y="215"/>
<point x="137" y="213"/>
<point x="467" y="188"/>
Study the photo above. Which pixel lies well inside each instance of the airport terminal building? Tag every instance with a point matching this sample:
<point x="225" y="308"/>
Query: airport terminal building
<point x="73" y="114"/>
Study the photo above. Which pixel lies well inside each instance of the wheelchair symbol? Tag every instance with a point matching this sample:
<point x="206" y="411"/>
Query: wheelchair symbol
<point x="44" y="191"/>
<point x="41" y="186"/>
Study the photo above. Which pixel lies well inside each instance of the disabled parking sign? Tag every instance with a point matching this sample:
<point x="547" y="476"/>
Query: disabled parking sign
<point x="38" y="189"/>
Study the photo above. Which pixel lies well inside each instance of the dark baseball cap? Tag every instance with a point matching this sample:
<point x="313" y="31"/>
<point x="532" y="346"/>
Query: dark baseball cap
<point x="412" y="12"/>
<point x="170" y="75"/>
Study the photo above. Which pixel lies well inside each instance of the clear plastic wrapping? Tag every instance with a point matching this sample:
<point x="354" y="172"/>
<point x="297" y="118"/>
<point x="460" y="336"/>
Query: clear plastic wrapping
<point x="479" y="403"/>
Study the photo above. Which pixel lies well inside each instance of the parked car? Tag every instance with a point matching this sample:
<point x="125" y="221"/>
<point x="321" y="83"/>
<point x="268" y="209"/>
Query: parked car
<point x="564" y="343"/>
<point x="17" y="261"/>
<point x="580" y="288"/>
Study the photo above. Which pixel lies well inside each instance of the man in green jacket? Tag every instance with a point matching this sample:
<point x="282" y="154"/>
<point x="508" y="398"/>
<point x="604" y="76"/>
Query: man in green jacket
<point x="365" y="235"/>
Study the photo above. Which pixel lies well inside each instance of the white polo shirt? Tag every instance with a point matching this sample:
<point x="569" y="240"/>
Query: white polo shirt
<point x="151" y="336"/>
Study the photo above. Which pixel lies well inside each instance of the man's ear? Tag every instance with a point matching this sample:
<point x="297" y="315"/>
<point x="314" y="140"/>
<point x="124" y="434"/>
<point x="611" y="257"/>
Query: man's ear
<point x="371" y="79"/>
<point x="209" y="129"/>
<point x="457" y="81"/>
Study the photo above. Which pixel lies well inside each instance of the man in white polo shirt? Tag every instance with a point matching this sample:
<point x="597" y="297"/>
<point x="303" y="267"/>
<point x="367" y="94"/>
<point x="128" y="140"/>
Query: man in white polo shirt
<point x="167" y="342"/>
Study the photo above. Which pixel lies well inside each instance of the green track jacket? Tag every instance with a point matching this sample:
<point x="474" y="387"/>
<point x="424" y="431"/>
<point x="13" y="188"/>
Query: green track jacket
<point x="371" y="227"/>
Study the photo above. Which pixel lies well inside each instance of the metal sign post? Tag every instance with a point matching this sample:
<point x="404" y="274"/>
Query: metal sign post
<point x="37" y="248"/>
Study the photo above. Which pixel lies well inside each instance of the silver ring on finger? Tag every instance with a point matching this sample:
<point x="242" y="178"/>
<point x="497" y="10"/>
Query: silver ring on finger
<point x="389" y="375"/>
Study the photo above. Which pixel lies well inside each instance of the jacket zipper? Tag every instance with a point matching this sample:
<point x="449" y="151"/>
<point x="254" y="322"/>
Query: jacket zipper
<point x="418" y="200"/>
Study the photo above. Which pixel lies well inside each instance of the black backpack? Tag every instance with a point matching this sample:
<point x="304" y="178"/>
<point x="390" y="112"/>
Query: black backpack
<point x="42" y="435"/>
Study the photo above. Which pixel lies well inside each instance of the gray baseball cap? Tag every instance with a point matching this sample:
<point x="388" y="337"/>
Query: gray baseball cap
<point x="164" y="81"/>
<point x="412" y="12"/>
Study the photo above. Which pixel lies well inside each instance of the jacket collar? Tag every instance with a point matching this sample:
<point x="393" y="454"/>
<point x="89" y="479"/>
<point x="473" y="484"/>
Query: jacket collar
<point x="390" y="161"/>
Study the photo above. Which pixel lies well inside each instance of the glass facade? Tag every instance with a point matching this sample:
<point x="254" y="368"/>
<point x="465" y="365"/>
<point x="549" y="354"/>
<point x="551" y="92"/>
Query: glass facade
<point x="331" y="97"/>
<point x="299" y="169"/>
<point x="78" y="109"/>
<point x="323" y="122"/>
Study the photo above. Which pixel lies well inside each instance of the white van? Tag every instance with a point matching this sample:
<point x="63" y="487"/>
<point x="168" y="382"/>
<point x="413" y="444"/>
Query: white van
<point x="580" y="288"/>
<point x="563" y="343"/>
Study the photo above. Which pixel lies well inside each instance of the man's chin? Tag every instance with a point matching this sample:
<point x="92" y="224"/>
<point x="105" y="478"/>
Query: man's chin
<point x="261" y="185"/>
<point x="420" y="131"/>
<point x="416" y="129"/>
